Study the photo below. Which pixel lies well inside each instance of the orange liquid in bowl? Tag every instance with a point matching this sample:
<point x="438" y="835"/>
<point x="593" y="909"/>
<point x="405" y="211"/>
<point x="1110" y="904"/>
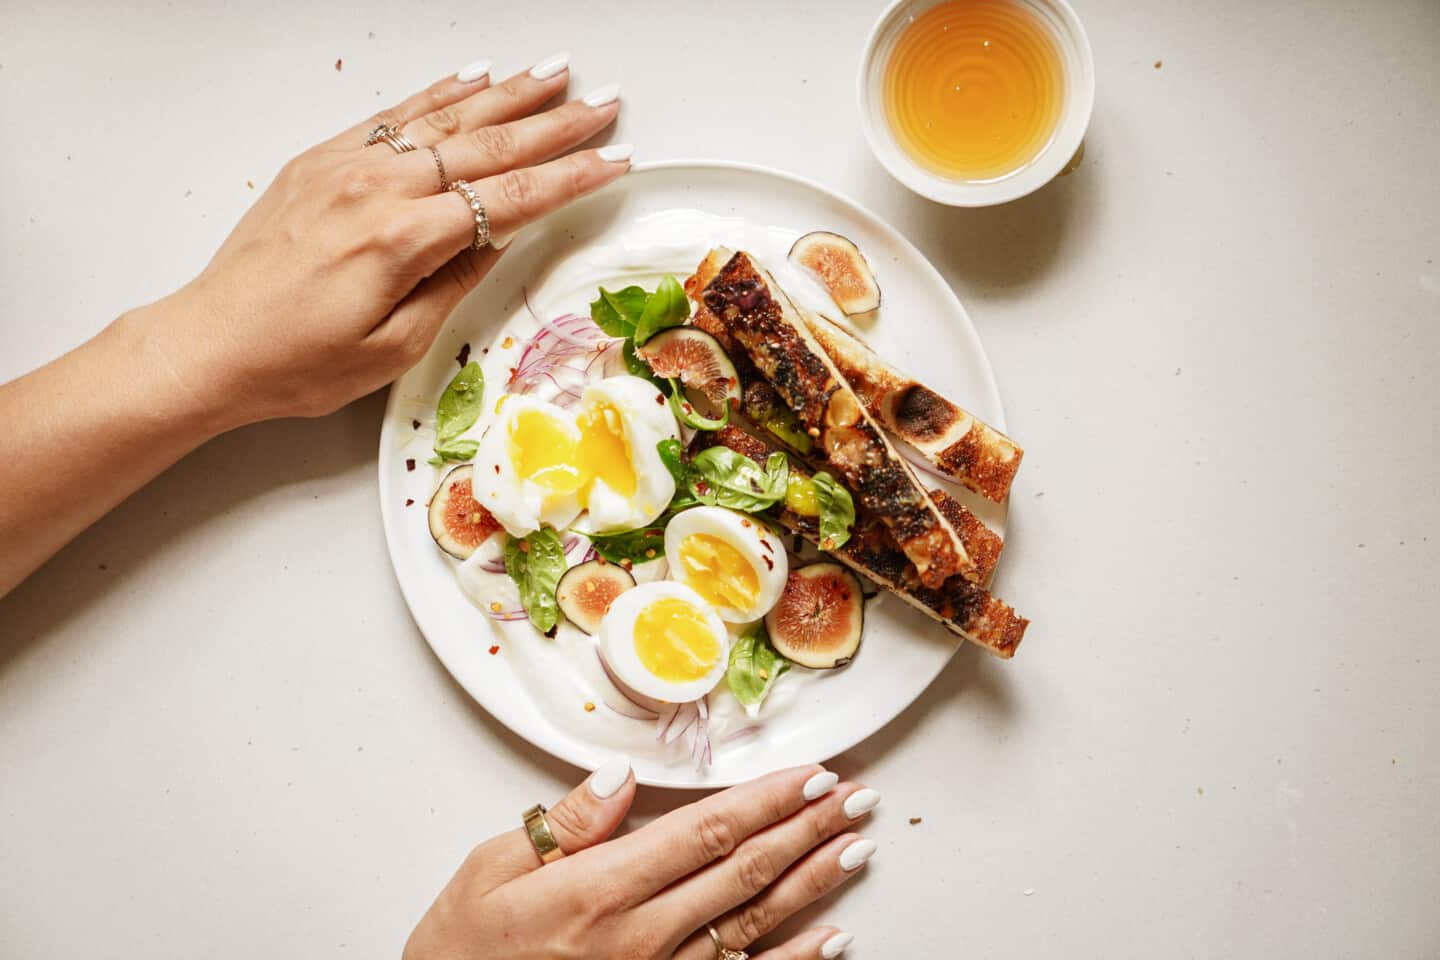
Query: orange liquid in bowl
<point x="974" y="88"/>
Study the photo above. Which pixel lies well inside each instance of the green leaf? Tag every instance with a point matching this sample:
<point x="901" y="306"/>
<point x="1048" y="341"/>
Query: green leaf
<point x="686" y="413"/>
<point x="457" y="411"/>
<point x="456" y="450"/>
<point x="730" y="479"/>
<point x="536" y="564"/>
<point x="618" y="313"/>
<point x="667" y="307"/>
<point x="634" y="546"/>
<point x="670" y="455"/>
<point x="754" y="667"/>
<point x="639" y="367"/>
<point x="837" y="511"/>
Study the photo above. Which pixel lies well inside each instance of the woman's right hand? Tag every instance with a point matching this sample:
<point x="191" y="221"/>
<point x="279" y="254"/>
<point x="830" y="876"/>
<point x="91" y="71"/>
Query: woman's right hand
<point x="743" y="860"/>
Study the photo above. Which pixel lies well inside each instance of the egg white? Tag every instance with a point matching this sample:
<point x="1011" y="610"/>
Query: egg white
<point x="617" y="643"/>
<point x="521" y="505"/>
<point x="645" y="421"/>
<point x="750" y="538"/>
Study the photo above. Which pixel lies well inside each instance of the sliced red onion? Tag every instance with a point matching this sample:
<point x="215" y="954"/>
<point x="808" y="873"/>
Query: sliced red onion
<point x="629" y="713"/>
<point x="652" y="708"/>
<point x="496" y="565"/>
<point x="741" y="734"/>
<point x="508" y="616"/>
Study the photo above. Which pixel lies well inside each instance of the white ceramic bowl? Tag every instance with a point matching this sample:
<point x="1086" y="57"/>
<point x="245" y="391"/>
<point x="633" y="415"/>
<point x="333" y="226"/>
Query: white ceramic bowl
<point x="1079" y="71"/>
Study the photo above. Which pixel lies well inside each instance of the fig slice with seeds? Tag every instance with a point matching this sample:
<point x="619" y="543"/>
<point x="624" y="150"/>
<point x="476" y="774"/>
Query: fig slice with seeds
<point x="587" y="589"/>
<point x="818" y="621"/>
<point x="457" y="522"/>
<point x="841" y="268"/>
<point x="697" y="360"/>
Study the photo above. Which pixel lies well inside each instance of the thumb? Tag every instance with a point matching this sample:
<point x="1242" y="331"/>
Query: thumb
<point x="588" y="815"/>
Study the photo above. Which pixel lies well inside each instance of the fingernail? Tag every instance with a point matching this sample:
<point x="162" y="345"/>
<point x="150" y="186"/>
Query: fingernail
<point x="473" y="72"/>
<point x="861" y="802"/>
<point x="500" y="243"/>
<point x="550" y="66"/>
<point x="820" y="784"/>
<point x="606" y="94"/>
<point x="616" y="152"/>
<point x="610" y="777"/>
<point x="836" y="945"/>
<point x="856" y="854"/>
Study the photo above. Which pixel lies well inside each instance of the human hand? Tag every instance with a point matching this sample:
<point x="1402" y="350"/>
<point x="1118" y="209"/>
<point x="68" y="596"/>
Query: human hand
<point x="743" y="860"/>
<point x="339" y="277"/>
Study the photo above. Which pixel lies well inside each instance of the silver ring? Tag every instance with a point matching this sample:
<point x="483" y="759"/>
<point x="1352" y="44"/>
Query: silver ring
<point x="440" y="168"/>
<point x="482" y="220"/>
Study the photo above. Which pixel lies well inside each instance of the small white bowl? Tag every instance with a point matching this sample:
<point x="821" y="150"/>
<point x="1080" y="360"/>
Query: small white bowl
<point x="1079" y="71"/>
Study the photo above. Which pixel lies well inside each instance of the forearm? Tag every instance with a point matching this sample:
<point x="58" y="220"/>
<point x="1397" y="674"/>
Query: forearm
<point x="85" y="431"/>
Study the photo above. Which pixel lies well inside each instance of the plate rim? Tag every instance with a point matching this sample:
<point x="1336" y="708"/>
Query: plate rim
<point x="990" y="387"/>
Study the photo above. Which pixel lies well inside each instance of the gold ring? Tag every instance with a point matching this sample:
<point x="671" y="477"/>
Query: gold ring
<point x="440" y="168"/>
<point x="538" y="830"/>
<point x="482" y="220"/>
<point x="723" y="952"/>
<point x="391" y="135"/>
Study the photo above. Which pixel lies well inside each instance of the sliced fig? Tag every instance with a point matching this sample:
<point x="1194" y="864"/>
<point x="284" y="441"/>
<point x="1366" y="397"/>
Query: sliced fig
<point x="820" y="616"/>
<point x="697" y="360"/>
<point x="457" y="522"/>
<point x="841" y="267"/>
<point x="587" y="589"/>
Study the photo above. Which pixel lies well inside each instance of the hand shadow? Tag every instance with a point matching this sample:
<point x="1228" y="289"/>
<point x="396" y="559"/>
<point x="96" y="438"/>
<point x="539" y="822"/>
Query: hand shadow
<point x="211" y="481"/>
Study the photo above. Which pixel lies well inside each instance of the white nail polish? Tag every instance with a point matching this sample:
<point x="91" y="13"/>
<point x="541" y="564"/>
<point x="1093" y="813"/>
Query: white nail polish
<point x="606" y="94"/>
<point x="550" y="66"/>
<point x="861" y="802"/>
<point x="610" y="777"/>
<point x="617" y="152"/>
<point x="820" y="784"/>
<point x="836" y="945"/>
<point x="856" y="854"/>
<point x="501" y="242"/>
<point x="473" y="72"/>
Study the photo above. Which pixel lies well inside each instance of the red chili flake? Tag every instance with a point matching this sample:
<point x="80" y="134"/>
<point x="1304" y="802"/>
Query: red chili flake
<point x="338" y="65"/>
<point x="484" y="351"/>
<point x="409" y="501"/>
<point x="497" y="468"/>
<point x="769" y="564"/>
<point x="524" y="546"/>
<point x="766" y="544"/>
<point x="915" y="820"/>
<point x="410" y="463"/>
<point x="495" y="649"/>
<point x="414" y="424"/>
<point x="744" y="522"/>
<point x="463" y="357"/>
<point x="660" y="399"/>
<point x="625" y="564"/>
<point x="512" y="373"/>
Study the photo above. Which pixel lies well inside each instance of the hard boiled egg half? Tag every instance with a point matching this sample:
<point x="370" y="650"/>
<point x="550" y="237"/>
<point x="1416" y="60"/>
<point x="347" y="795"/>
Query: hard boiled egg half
<point x="663" y="640"/>
<point x="539" y="465"/>
<point x="732" y="561"/>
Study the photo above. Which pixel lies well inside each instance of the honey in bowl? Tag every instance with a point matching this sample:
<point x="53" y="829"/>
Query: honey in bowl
<point x="974" y="88"/>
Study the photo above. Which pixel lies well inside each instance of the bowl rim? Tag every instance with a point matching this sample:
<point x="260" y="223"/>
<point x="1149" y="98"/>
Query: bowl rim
<point x="1071" y="128"/>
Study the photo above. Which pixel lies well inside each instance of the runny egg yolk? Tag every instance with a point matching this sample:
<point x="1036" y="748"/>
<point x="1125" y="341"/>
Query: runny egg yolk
<point x="542" y="451"/>
<point x="602" y="454"/>
<point x="674" y="641"/>
<point x="719" y="572"/>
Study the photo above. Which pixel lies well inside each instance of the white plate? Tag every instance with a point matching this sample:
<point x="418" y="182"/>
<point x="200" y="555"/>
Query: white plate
<point x="922" y="328"/>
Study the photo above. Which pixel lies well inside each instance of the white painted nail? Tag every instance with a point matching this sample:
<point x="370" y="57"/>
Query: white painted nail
<point x="606" y="94"/>
<point x="500" y="243"/>
<point x="550" y="66"/>
<point x="861" y="802"/>
<point x="610" y="777"/>
<point x="836" y="945"/>
<point x="856" y="854"/>
<point x="820" y="784"/>
<point x="616" y="152"/>
<point x="473" y="72"/>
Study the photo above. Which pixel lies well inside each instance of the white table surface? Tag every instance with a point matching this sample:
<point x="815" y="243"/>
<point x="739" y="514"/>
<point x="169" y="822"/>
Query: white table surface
<point x="221" y="735"/>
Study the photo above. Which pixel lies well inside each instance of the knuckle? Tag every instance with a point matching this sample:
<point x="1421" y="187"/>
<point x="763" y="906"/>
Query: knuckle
<point x="519" y="188"/>
<point x="754" y="921"/>
<point x="566" y="818"/>
<point x="388" y="117"/>
<point x="816" y="881"/>
<point x="495" y="143"/>
<point x="715" y="834"/>
<point x="606" y="899"/>
<point x="757" y="868"/>
<point x="357" y="182"/>
<point x="444" y="121"/>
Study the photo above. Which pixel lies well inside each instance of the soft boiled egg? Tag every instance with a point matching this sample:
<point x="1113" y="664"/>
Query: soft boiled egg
<point x="663" y="640"/>
<point x="732" y="561"/>
<point x="525" y="468"/>
<point x="625" y="484"/>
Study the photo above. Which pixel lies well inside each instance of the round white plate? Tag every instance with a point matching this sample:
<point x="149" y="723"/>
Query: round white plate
<point x="921" y="328"/>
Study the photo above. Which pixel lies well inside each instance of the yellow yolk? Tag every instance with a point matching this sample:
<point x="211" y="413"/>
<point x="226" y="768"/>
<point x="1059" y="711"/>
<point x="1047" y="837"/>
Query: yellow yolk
<point x="601" y="454"/>
<point x="543" y="452"/>
<point x="719" y="572"/>
<point x="674" y="641"/>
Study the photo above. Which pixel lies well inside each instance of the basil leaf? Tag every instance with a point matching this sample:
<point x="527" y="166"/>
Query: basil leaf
<point x="456" y="450"/>
<point x="730" y="479"/>
<point x="618" y="313"/>
<point x="669" y="451"/>
<point x="634" y="546"/>
<point x="837" y="511"/>
<point x="667" y="307"/>
<point x="536" y="564"/>
<point x="458" y="409"/>
<point x="754" y="668"/>
<point x="686" y="413"/>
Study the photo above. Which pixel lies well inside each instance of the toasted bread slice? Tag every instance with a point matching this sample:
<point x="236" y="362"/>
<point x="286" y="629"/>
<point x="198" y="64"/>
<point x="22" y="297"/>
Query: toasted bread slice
<point x="965" y="609"/>
<point x="960" y="445"/>
<point x="756" y="314"/>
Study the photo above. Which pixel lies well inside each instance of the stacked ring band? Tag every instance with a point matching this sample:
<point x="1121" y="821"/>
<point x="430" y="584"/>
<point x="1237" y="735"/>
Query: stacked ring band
<point x="440" y="168"/>
<point x="537" y="828"/>
<point x="482" y="221"/>
<point x="390" y="134"/>
<point x="723" y="952"/>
